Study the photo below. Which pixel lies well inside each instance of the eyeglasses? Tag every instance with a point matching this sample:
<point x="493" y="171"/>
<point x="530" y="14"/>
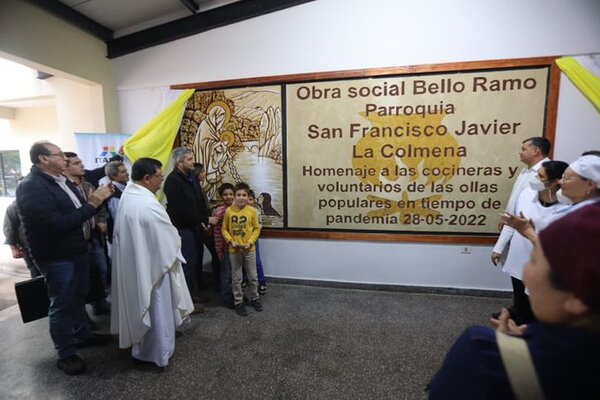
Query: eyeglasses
<point x="55" y="154"/>
<point x="157" y="175"/>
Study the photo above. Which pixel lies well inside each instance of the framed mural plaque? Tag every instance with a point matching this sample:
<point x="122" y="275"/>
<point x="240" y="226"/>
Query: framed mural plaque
<point x="421" y="153"/>
<point x="236" y="134"/>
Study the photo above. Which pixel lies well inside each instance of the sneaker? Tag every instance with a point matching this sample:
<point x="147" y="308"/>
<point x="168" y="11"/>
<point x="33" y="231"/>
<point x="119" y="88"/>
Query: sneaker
<point x="72" y="365"/>
<point x="256" y="304"/>
<point x="95" y="339"/>
<point x="262" y="289"/>
<point x="241" y="310"/>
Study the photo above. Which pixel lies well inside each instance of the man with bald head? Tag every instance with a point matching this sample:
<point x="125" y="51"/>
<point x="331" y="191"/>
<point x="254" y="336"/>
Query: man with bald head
<point x="56" y="221"/>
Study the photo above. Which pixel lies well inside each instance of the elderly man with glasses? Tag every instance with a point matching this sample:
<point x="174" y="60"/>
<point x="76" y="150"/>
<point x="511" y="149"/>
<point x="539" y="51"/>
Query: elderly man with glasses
<point x="56" y="221"/>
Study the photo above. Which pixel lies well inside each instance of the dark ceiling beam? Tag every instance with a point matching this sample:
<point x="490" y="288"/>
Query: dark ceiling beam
<point x="201" y="22"/>
<point x="192" y="5"/>
<point x="43" y="75"/>
<point x="70" y="15"/>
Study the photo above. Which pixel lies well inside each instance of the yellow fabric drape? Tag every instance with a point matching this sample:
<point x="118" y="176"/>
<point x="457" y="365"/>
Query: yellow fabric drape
<point x="584" y="80"/>
<point x="155" y="139"/>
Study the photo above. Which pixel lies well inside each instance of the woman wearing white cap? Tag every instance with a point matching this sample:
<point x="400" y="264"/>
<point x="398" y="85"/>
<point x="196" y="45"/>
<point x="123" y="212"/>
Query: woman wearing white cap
<point x="581" y="181"/>
<point x="554" y="358"/>
<point x="580" y="186"/>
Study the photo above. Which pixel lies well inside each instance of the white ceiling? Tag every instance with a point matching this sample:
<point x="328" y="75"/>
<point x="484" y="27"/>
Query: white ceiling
<point x="20" y="88"/>
<point x="30" y="102"/>
<point x="127" y="26"/>
<point x="128" y="16"/>
<point x="118" y="19"/>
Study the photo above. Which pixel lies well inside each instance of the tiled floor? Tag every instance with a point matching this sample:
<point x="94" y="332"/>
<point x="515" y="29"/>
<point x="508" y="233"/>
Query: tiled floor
<point x="309" y="343"/>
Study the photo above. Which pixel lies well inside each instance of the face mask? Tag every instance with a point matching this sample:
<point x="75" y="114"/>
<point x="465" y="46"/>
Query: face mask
<point x="562" y="199"/>
<point x="536" y="184"/>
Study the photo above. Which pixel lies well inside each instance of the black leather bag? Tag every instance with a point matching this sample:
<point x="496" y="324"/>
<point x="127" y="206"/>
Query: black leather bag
<point x="32" y="296"/>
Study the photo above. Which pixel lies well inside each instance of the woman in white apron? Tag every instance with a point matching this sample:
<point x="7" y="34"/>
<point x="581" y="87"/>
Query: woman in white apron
<point x="546" y="184"/>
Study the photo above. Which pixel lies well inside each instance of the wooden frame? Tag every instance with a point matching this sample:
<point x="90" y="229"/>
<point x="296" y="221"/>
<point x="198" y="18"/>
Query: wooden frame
<point x="490" y="65"/>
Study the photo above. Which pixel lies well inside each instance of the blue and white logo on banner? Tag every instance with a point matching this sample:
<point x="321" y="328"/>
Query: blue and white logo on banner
<point x="95" y="149"/>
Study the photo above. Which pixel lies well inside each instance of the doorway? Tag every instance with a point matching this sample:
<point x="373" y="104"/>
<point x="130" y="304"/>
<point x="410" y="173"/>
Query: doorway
<point x="10" y="172"/>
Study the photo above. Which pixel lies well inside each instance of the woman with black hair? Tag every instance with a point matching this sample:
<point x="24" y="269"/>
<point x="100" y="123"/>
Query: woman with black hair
<point x="546" y="184"/>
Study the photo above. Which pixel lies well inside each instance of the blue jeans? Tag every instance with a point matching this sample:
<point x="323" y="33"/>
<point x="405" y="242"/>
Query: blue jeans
<point x="225" y="275"/>
<point x="190" y="246"/>
<point x="68" y="284"/>
<point x="209" y="242"/>
<point x="98" y="257"/>
<point x="259" y="267"/>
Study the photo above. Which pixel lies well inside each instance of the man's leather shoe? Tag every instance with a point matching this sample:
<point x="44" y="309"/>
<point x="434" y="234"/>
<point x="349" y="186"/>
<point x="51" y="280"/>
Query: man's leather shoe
<point x="72" y="365"/>
<point x="95" y="339"/>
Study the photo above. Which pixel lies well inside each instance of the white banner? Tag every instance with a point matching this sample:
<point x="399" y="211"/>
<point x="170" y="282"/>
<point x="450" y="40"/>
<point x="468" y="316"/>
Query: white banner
<point x="95" y="149"/>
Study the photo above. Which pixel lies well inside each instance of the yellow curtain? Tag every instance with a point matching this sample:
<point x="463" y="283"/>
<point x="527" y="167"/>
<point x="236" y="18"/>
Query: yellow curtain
<point x="155" y="139"/>
<point x="584" y="80"/>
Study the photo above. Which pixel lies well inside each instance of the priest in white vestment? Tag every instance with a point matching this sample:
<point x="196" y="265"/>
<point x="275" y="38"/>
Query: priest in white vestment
<point x="149" y="294"/>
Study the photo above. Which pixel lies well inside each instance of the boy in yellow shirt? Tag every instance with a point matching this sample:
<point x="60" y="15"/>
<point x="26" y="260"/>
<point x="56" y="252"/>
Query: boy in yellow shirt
<point x="241" y="230"/>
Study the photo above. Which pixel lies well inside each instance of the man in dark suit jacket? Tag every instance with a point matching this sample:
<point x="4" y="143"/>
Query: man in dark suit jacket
<point x="56" y="222"/>
<point x="188" y="211"/>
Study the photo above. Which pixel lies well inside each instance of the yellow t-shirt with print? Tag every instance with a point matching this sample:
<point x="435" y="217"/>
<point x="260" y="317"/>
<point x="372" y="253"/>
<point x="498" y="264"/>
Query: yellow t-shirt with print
<point x="240" y="225"/>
